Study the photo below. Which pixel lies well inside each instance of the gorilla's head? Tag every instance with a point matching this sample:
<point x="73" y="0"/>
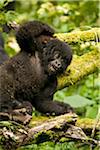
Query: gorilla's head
<point x="57" y="56"/>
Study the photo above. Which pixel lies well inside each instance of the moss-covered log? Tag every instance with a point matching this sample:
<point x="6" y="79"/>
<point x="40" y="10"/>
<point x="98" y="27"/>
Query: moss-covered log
<point x="55" y="129"/>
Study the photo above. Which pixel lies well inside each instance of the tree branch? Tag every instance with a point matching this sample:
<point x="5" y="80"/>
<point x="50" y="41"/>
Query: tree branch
<point x="77" y="36"/>
<point x="82" y="65"/>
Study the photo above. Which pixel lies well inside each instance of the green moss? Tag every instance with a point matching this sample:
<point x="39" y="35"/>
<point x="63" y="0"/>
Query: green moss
<point x="36" y="120"/>
<point x="87" y="123"/>
<point x="80" y="67"/>
<point x="78" y="36"/>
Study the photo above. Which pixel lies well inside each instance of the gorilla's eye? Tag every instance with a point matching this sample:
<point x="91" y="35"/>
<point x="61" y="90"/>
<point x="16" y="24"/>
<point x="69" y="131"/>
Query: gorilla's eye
<point x="51" y="59"/>
<point x="56" y="56"/>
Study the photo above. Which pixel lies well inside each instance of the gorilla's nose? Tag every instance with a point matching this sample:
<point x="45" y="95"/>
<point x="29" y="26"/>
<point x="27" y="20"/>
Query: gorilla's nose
<point x="57" y="63"/>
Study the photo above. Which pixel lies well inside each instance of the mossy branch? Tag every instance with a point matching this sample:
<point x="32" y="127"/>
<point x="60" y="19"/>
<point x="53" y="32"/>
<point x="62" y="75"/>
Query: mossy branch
<point x="82" y="65"/>
<point x="79" y="68"/>
<point x="77" y="36"/>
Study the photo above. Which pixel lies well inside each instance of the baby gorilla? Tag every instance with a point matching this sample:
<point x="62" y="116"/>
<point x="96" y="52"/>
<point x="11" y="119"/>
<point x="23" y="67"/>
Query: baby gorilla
<point x="30" y="78"/>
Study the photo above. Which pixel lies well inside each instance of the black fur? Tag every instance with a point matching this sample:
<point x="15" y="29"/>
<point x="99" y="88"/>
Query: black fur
<point x="28" y="34"/>
<point x="30" y="78"/>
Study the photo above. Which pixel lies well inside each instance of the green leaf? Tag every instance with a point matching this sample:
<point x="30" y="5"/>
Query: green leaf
<point x="77" y="101"/>
<point x="91" y="112"/>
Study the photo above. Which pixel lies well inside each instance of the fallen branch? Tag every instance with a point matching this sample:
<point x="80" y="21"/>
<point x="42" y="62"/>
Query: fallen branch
<point x="14" y="135"/>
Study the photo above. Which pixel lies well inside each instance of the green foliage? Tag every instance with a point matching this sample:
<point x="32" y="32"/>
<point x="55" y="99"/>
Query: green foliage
<point x="63" y="15"/>
<point x="4" y="3"/>
<point x="6" y="16"/>
<point x="77" y="101"/>
<point x="88" y="96"/>
<point x="92" y="111"/>
<point x="59" y="146"/>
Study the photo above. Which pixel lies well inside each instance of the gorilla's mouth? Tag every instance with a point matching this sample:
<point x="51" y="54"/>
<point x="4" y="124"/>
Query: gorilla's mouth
<point x="54" y="69"/>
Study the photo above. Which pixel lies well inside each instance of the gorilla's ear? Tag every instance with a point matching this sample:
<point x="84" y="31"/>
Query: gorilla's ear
<point x="27" y="34"/>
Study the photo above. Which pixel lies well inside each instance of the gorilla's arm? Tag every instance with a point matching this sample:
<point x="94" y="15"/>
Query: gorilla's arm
<point x="53" y="107"/>
<point x="45" y="104"/>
